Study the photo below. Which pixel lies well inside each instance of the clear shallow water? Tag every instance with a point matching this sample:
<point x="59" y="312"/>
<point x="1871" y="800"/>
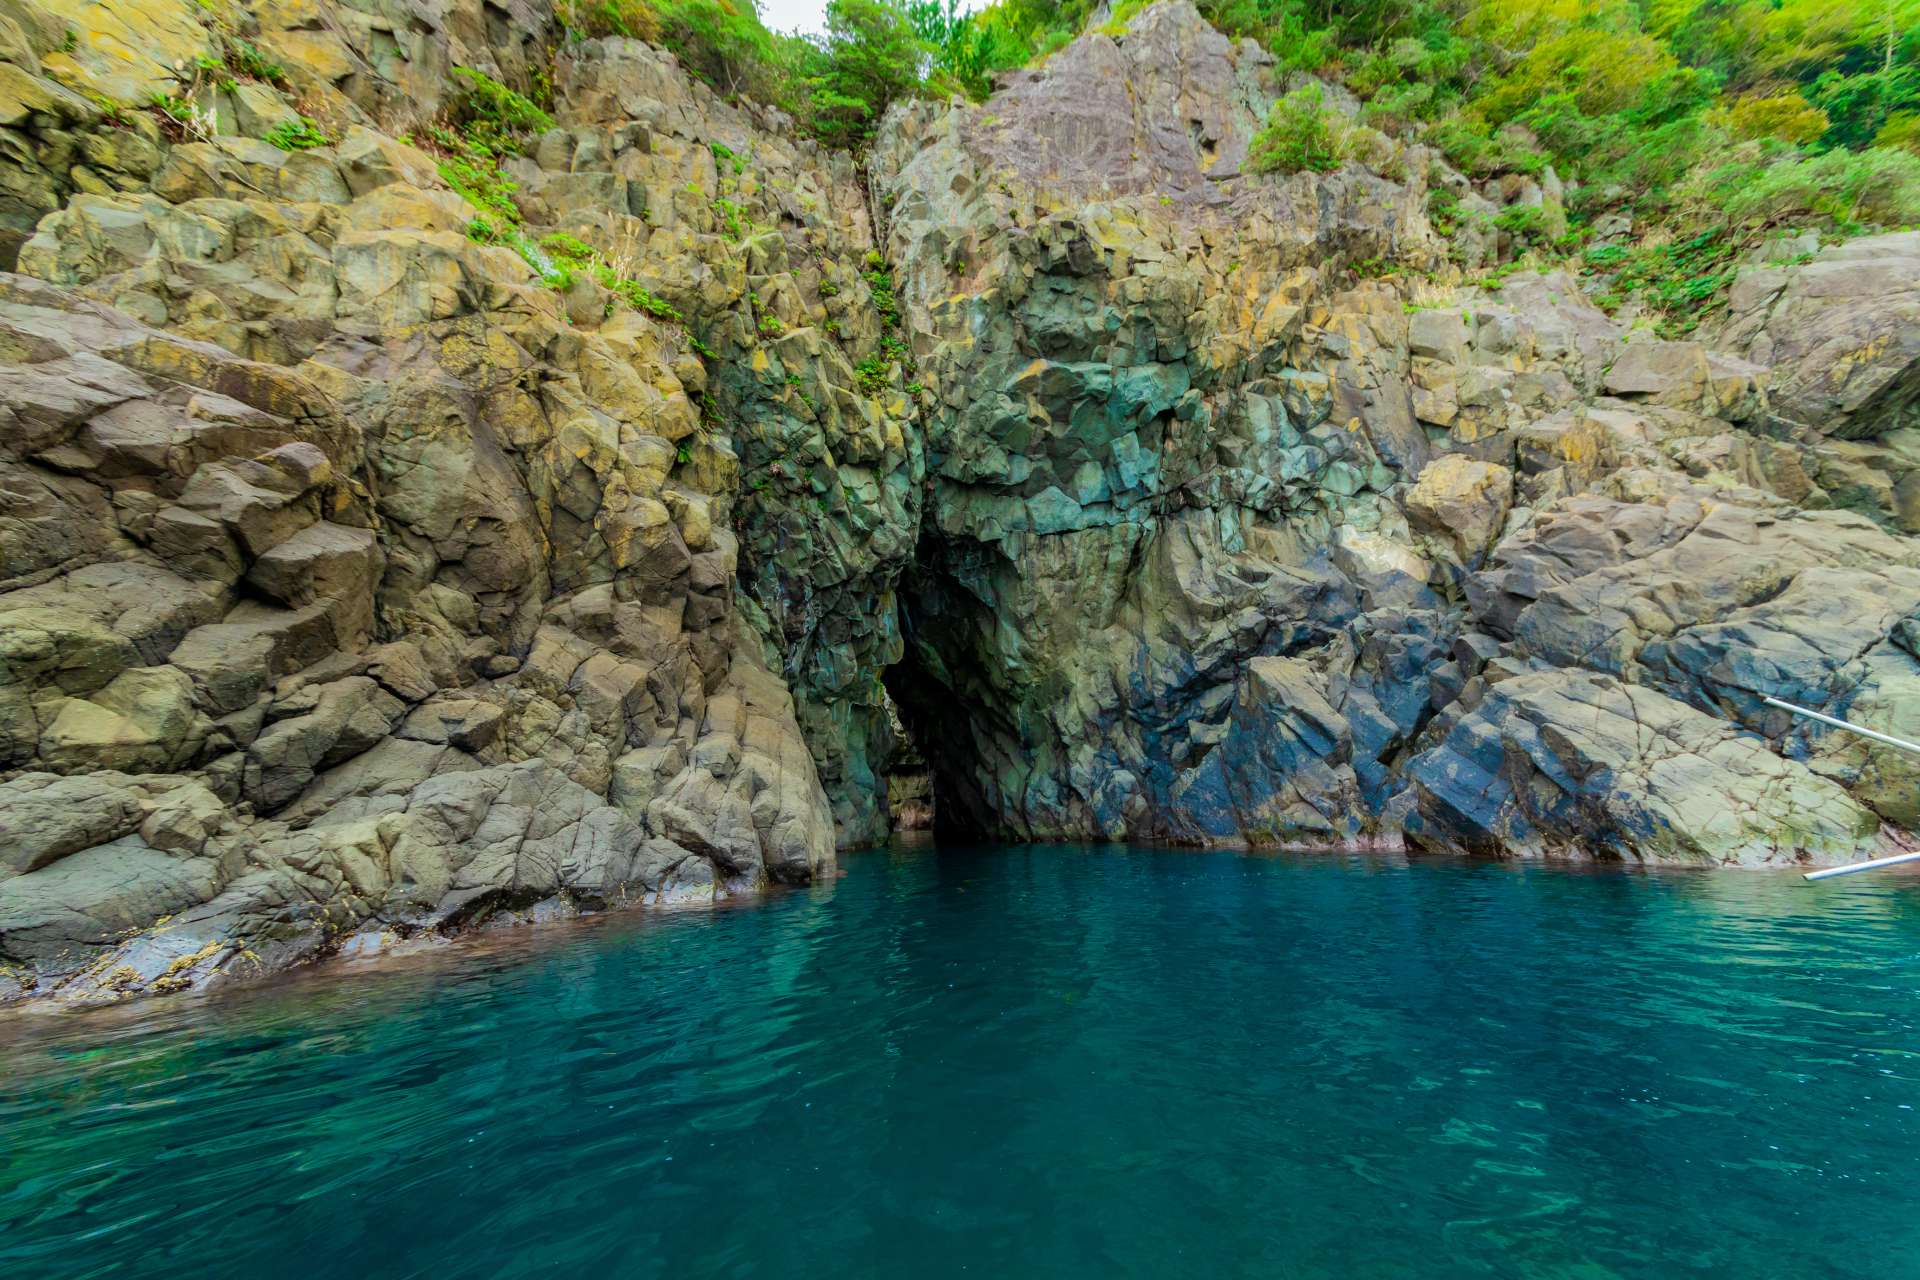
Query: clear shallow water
<point x="1027" y="1062"/>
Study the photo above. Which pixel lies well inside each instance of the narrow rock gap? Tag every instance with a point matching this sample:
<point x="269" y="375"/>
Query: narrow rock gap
<point x="936" y="729"/>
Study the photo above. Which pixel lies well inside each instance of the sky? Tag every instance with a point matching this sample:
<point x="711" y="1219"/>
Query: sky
<point x="810" y="15"/>
<point x="794" y="15"/>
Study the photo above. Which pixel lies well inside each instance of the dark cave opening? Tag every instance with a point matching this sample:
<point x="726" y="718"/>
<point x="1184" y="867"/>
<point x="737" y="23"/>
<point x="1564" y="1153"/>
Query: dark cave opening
<point x="935" y="741"/>
<point x="928" y="689"/>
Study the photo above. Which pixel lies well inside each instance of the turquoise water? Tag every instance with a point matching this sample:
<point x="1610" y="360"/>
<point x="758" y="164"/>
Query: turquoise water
<point x="1026" y="1062"/>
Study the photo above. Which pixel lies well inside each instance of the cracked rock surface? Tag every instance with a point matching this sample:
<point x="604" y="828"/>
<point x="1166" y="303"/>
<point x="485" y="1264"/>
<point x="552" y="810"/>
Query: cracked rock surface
<point x="359" y="586"/>
<point x="1228" y="542"/>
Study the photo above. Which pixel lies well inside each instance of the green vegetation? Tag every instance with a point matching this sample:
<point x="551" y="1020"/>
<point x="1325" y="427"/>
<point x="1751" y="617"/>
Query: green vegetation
<point x="493" y="113"/>
<point x="636" y="296"/>
<point x="1710" y="123"/>
<point x="215" y="72"/>
<point x="837" y="85"/>
<point x="1300" y="134"/>
<point x="730" y="217"/>
<point x="299" y="134"/>
<point x="180" y="119"/>
<point x="1740" y="113"/>
<point x="1678" y="280"/>
<point x="247" y="62"/>
<point x="485" y="121"/>
<point x="1648" y="106"/>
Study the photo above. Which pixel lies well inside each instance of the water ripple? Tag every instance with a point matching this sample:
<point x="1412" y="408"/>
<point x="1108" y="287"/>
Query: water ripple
<point x="1025" y="1062"/>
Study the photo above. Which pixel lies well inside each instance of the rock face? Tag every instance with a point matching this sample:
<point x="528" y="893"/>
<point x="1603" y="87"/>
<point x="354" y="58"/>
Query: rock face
<point x="1227" y="541"/>
<point x="355" y="583"/>
<point x="363" y="577"/>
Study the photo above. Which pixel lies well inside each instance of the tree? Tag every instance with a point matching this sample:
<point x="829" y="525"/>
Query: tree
<point x="870" y="59"/>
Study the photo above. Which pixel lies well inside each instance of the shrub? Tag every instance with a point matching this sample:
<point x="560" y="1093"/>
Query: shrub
<point x="633" y="19"/>
<point x="1527" y="224"/>
<point x="1786" y="116"/>
<point x="492" y="111"/>
<point x="1605" y="70"/>
<point x="300" y="134"/>
<point x="1300" y="134"/>
<point x="871" y="375"/>
<point x="472" y="169"/>
<point x="872" y="58"/>
<point x="1681" y="281"/>
<point x="634" y="294"/>
<point x="1902" y="129"/>
<point x="566" y="247"/>
<point x="725" y="44"/>
<point x="1879" y="187"/>
<point x="246" y="59"/>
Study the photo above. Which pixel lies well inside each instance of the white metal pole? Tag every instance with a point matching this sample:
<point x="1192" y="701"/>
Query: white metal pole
<point x="1837" y="723"/>
<point x="1872" y="865"/>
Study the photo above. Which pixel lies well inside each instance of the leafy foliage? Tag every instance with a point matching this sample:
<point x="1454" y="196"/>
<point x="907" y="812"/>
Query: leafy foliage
<point x="246" y="60"/>
<point x="1681" y="281"/>
<point x="301" y="134"/>
<point x="1692" y="115"/>
<point x="494" y="114"/>
<point x="1848" y="189"/>
<point x="1787" y="116"/>
<point x="870" y="59"/>
<point x="1300" y="134"/>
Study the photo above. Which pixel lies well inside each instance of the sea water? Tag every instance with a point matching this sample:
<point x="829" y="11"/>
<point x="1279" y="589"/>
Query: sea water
<point x="1025" y="1061"/>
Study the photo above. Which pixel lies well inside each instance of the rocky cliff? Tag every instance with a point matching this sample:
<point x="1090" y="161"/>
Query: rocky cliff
<point x="393" y="541"/>
<point x="1226" y="540"/>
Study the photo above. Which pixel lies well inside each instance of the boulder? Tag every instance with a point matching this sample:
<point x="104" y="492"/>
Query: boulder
<point x="143" y="720"/>
<point x="1567" y="764"/>
<point x="317" y="728"/>
<point x="322" y="561"/>
<point x="1462" y="501"/>
<point x="1841" y="334"/>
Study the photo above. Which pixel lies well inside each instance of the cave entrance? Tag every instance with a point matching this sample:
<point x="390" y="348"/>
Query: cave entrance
<point x="907" y="778"/>
<point x="932" y="773"/>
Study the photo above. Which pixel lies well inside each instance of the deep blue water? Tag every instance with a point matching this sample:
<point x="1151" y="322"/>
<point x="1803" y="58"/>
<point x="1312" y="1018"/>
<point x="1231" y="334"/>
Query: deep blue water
<point x="1026" y="1062"/>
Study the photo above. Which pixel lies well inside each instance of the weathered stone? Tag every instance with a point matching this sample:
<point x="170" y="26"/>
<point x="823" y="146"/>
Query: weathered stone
<point x="461" y="596"/>
<point x="1842" y="334"/>
<point x="321" y="561"/>
<point x="44" y="817"/>
<point x="331" y="723"/>
<point x="1576" y="765"/>
<point x="1462" y="501"/>
<point x="143" y="720"/>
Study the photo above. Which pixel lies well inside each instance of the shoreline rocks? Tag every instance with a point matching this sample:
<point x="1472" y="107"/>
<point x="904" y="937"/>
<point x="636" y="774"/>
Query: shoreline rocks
<point x="364" y="575"/>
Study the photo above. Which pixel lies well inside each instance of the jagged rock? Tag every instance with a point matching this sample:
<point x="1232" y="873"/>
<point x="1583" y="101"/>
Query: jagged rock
<point x="1463" y="501"/>
<point x="321" y="561"/>
<point x="1579" y="765"/>
<point x="1133" y="461"/>
<point x="59" y="917"/>
<point x="465" y="723"/>
<point x="321" y="726"/>
<point x="45" y="817"/>
<point x="291" y="460"/>
<point x="142" y="721"/>
<point x="1841" y="333"/>
<point x="443" y="595"/>
<point x="1689" y="376"/>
